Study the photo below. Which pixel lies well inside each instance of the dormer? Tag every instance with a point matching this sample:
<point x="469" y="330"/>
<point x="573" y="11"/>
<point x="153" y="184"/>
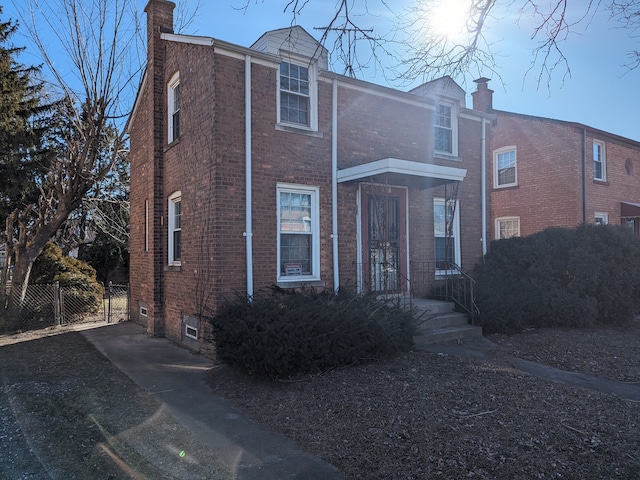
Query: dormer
<point x="449" y="99"/>
<point x="297" y="87"/>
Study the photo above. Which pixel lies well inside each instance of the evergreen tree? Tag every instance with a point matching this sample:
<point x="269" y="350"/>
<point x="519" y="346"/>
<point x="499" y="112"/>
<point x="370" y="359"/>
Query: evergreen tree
<point x="22" y="120"/>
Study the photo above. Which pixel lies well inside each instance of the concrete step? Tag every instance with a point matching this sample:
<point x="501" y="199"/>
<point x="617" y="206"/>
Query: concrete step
<point x="432" y="307"/>
<point x="442" y="320"/>
<point x="445" y="334"/>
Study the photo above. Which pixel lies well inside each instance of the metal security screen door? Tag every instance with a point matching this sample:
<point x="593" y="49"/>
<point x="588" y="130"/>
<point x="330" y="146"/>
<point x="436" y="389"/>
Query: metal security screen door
<point x="384" y="241"/>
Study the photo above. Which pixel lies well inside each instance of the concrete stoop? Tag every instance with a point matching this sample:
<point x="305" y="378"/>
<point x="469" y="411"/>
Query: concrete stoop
<point x="439" y="323"/>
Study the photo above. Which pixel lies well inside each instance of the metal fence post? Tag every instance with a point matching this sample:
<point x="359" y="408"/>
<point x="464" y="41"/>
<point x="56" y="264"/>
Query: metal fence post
<point x="109" y="295"/>
<point x="57" y="307"/>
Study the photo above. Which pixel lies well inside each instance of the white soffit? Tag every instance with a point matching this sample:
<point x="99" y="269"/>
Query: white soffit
<point x="401" y="167"/>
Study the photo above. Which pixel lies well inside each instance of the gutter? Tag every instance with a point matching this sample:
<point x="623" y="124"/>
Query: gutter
<point x="584" y="175"/>
<point x="334" y="183"/>
<point x="248" y="234"/>
<point x="483" y="170"/>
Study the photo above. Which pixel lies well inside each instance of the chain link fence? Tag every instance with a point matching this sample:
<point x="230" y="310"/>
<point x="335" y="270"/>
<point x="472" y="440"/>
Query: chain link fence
<point x="41" y="306"/>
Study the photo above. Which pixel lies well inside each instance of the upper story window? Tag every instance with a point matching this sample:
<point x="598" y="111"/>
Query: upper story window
<point x="507" y="227"/>
<point x="173" y="103"/>
<point x="599" y="162"/>
<point x="445" y="129"/>
<point x="505" y="167"/>
<point x="297" y="95"/>
<point x="175" y="228"/>
<point x="298" y="233"/>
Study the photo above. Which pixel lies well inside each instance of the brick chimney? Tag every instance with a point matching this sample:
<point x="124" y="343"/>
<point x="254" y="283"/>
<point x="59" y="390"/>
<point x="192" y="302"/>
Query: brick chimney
<point x="483" y="96"/>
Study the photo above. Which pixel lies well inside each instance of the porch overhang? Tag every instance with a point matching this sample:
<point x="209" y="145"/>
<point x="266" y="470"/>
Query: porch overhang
<point x="395" y="171"/>
<point x="629" y="209"/>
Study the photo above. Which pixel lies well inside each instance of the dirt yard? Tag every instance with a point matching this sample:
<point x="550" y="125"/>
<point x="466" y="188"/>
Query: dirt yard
<point x="428" y="415"/>
<point x="66" y="412"/>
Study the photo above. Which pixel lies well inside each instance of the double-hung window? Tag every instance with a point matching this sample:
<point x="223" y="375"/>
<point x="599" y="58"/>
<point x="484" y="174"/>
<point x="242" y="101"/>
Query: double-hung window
<point x="445" y="124"/>
<point x="505" y="167"/>
<point x="599" y="162"/>
<point x="173" y="102"/>
<point x="175" y="228"/>
<point x="446" y="232"/>
<point x="298" y="233"/>
<point x="507" y="227"/>
<point x="295" y="94"/>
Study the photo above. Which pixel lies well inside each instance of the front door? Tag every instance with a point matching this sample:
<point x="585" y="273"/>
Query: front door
<point x="384" y="239"/>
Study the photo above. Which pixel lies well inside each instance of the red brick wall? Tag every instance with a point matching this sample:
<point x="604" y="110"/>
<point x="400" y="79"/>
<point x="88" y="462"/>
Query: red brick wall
<point x="549" y="163"/>
<point x="207" y="165"/>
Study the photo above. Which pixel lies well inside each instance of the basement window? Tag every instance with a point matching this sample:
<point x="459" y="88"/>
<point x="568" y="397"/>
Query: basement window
<point x="191" y="332"/>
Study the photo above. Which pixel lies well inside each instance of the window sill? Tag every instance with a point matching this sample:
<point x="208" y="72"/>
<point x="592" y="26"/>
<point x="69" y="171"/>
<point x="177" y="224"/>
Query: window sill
<point x="446" y="156"/>
<point x="300" y="130"/>
<point x="300" y="283"/>
<point x="173" y="268"/>
<point x="506" y="187"/>
<point x="601" y="182"/>
<point x="172" y="144"/>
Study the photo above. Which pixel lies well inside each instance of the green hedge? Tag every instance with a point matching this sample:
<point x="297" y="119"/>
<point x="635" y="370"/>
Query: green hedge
<point x="560" y="277"/>
<point x="283" y="332"/>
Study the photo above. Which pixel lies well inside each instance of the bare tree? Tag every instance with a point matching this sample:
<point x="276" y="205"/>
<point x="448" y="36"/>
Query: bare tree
<point x="97" y="37"/>
<point x="427" y="53"/>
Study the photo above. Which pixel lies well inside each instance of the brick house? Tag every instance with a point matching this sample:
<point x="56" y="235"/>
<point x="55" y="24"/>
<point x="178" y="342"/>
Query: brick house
<point x="544" y="172"/>
<point x="258" y="166"/>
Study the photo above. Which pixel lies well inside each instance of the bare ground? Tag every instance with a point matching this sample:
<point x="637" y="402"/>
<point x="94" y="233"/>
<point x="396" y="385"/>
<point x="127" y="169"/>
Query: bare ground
<point x="66" y="412"/>
<point x="427" y="415"/>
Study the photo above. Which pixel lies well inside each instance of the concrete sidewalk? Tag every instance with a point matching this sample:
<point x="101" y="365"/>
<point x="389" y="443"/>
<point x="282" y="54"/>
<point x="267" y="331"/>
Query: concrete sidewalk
<point x="176" y="377"/>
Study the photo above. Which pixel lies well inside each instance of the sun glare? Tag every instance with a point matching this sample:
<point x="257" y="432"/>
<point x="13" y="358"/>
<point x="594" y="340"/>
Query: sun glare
<point x="448" y="18"/>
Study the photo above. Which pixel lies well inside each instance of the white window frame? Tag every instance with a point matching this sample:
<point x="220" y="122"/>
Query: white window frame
<point x="188" y="334"/>
<point x="602" y="217"/>
<point x="454" y="129"/>
<point x="602" y="160"/>
<point x="500" y="220"/>
<point x="173" y="84"/>
<point x="174" y="198"/>
<point x="314" y="192"/>
<point x="496" y="172"/>
<point x="313" y="94"/>
<point x="456" y="236"/>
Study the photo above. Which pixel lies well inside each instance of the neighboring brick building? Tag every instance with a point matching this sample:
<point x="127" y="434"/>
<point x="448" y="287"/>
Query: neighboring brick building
<point x="257" y="166"/>
<point x="545" y="172"/>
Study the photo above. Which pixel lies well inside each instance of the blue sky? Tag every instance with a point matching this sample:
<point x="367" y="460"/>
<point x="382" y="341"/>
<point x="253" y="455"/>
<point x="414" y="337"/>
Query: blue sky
<point x="600" y="92"/>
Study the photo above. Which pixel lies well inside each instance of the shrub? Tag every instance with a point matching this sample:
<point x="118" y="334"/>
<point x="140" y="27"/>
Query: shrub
<point x="560" y="277"/>
<point x="83" y="292"/>
<point x="283" y="332"/>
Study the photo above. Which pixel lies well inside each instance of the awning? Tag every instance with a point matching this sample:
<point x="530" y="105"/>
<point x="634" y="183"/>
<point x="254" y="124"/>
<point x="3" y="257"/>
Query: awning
<point x="402" y="172"/>
<point x="628" y="209"/>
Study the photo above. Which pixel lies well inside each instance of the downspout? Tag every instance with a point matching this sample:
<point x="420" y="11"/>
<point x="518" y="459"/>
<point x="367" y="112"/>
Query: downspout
<point x="248" y="234"/>
<point x="483" y="174"/>
<point x="334" y="183"/>
<point x="584" y="175"/>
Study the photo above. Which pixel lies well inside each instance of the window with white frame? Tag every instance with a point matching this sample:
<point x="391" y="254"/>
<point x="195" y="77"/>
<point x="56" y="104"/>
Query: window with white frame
<point x="447" y="246"/>
<point x="175" y="229"/>
<point x="297" y="95"/>
<point x="601" y="218"/>
<point x="507" y="227"/>
<point x="599" y="162"/>
<point x="173" y="107"/>
<point x="505" y="167"/>
<point x="298" y="233"/>
<point x="445" y="129"/>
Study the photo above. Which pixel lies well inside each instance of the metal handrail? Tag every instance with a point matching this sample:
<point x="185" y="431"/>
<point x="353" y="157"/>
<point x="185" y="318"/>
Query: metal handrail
<point x="460" y="288"/>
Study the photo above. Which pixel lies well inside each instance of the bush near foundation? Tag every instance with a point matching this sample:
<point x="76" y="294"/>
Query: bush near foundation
<point x="578" y="277"/>
<point x="284" y="332"/>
